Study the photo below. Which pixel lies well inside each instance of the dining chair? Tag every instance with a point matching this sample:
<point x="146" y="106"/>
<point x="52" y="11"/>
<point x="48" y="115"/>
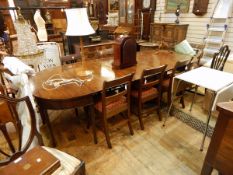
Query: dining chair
<point x="9" y="90"/>
<point x="148" y="89"/>
<point x="220" y="58"/>
<point x="18" y="137"/>
<point x="167" y="84"/>
<point x="115" y="99"/>
<point x="218" y="63"/>
<point x="71" y="58"/>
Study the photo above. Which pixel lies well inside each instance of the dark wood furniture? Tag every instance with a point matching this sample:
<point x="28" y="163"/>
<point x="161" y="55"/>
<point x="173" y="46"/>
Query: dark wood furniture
<point x="102" y="70"/>
<point x="148" y="88"/>
<point x="115" y="99"/>
<point x="125" y="50"/>
<point x="168" y="33"/>
<point x="220" y="152"/>
<point x="148" y="10"/>
<point x="99" y="49"/>
<point x="200" y="7"/>
<point x="17" y="142"/>
<point x="47" y="164"/>
<point x="220" y="58"/>
<point x="180" y="66"/>
<point x="129" y="18"/>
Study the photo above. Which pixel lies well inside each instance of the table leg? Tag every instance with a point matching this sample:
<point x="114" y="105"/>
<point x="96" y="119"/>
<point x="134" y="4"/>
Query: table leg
<point x="47" y="121"/>
<point x="208" y="120"/>
<point x="92" y="115"/>
<point x="173" y="97"/>
<point x="194" y="95"/>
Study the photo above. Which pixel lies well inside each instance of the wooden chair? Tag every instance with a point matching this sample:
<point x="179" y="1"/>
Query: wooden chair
<point x="220" y="58"/>
<point x="149" y="88"/>
<point x="18" y="138"/>
<point x="115" y="99"/>
<point x="72" y="58"/>
<point x="218" y="62"/>
<point x="180" y="67"/>
<point x="9" y="90"/>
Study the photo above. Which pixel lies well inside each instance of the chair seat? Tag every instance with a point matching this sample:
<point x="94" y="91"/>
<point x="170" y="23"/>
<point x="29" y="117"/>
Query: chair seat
<point x="121" y="102"/>
<point x="146" y="93"/>
<point x="69" y="164"/>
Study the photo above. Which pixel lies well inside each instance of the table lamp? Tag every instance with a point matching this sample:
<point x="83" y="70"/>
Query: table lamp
<point x="78" y="25"/>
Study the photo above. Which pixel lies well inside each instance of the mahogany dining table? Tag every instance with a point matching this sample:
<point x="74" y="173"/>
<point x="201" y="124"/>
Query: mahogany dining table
<point x="72" y="95"/>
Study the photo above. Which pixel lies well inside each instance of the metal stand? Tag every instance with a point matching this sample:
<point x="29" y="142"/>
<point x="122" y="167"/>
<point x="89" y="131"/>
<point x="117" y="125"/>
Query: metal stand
<point x="208" y="120"/>
<point x="194" y="95"/>
<point x="173" y="97"/>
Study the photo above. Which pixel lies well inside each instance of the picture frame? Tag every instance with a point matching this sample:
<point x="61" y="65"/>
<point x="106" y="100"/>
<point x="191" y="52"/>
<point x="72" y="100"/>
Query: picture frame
<point x="113" y="5"/>
<point x="171" y="5"/>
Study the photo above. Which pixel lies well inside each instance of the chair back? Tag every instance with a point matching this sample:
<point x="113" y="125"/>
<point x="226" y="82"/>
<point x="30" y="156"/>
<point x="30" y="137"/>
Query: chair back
<point x="13" y="129"/>
<point x="151" y="78"/>
<point x="115" y="90"/>
<point x="72" y="58"/>
<point x="220" y="58"/>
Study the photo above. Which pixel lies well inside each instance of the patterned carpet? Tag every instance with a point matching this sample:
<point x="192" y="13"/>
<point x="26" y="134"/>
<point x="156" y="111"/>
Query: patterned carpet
<point x="192" y="121"/>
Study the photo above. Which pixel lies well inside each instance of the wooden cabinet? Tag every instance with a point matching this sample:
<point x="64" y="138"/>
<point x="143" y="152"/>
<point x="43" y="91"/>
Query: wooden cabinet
<point x="200" y="7"/>
<point x="220" y="152"/>
<point x="129" y="17"/>
<point x="169" y="33"/>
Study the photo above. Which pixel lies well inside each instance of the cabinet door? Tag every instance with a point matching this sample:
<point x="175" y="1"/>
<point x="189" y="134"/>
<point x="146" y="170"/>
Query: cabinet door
<point x="130" y="12"/>
<point x="122" y="11"/>
<point x="180" y="33"/>
<point x="200" y="7"/>
<point x="156" y="32"/>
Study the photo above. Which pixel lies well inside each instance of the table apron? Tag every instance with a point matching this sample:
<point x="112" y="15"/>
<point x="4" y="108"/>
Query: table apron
<point x="46" y="104"/>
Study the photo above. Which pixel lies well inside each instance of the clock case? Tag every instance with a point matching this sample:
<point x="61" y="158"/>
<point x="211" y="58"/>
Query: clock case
<point x="151" y="7"/>
<point x="148" y="18"/>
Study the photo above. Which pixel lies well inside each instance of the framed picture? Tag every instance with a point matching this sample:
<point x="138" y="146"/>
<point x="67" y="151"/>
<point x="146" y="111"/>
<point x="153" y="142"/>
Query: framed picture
<point x="171" y="5"/>
<point x="113" y="5"/>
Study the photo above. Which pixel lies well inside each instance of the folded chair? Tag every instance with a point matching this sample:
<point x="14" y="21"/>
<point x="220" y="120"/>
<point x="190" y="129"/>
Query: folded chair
<point x="20" y="135"/>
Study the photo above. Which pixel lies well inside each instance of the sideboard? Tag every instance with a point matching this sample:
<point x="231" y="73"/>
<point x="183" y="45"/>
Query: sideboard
<point x="169" y="33"/>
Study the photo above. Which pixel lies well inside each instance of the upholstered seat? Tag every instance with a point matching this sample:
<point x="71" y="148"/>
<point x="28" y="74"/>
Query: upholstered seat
<point x="147" y="93"/>
<point x="115" y="99"/>
<point x="119" y="103"/>
<point x="147" y="89"/>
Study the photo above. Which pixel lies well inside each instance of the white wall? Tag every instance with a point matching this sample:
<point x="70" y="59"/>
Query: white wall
<point x="197" y="24"/>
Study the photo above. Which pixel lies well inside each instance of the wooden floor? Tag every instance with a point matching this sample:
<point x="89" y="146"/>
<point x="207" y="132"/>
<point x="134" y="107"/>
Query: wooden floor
<point x="169" y="150"/>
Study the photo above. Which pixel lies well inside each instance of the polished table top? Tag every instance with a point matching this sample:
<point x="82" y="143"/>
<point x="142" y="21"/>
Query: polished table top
<point x="102" y="70"/>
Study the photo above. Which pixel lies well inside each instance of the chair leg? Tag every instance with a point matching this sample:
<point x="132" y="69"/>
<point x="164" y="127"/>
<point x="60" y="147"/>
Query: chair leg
<point x="140" y="115"/>
<point x="182" y="100"/>
<point x="169" y="96"/>
<point x="76" y="112"/>
<point x="86" y="109"/>
<point x="129" y="122"/>
<point x="106" y="132"/>
<point x="194" y="95"/>
<point x="159" y="107"/>
<point x="92" y="116"/>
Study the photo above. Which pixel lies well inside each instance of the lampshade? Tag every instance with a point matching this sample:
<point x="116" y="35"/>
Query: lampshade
<point x="78" y="23"/>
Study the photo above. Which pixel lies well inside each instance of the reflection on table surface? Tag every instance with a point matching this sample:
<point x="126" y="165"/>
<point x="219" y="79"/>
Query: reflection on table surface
<point x="102" y="70"/>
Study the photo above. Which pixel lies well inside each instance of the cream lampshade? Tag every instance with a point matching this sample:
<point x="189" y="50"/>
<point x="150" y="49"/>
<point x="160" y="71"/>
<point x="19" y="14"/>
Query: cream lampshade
<point x="78" y="24"/>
